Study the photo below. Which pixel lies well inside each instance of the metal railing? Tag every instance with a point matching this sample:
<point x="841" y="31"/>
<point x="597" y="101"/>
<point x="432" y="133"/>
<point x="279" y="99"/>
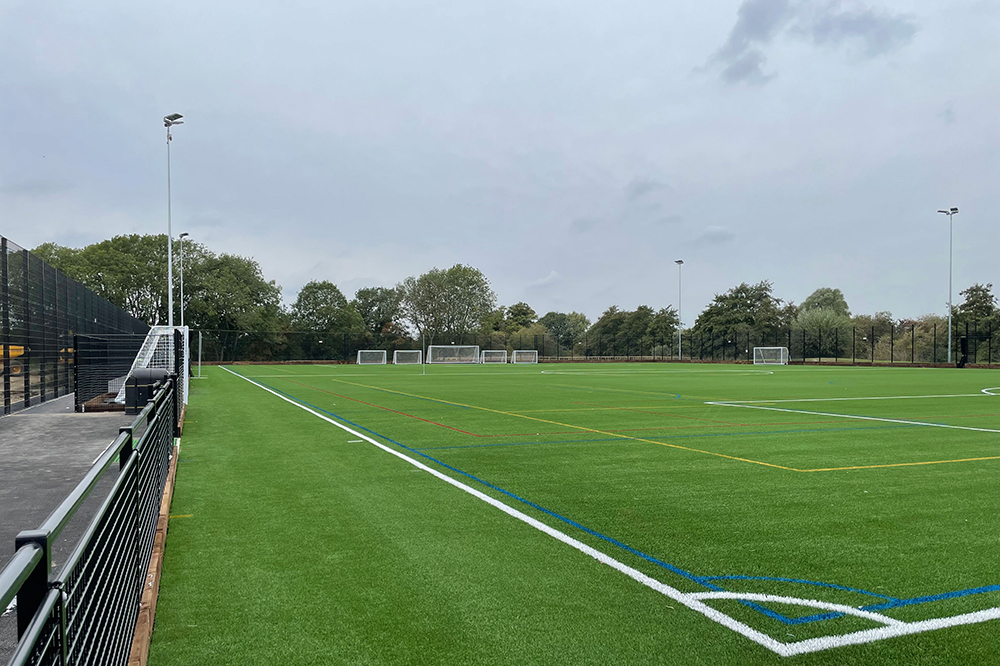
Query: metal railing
<point x="86" y="613"/>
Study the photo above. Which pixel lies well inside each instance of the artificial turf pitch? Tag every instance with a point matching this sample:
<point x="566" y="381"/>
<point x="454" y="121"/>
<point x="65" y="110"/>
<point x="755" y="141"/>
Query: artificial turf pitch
<point x="294" y="541"/>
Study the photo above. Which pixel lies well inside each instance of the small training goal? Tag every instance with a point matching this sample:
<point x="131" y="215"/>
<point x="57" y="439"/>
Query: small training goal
<point x="494" y="356"/>
<point x="371" y="357"/>
<point x="453" y="354"/>
<point x="770" y="355"/>
<point x="407" y="357"/>
<point x="525" y="356"/>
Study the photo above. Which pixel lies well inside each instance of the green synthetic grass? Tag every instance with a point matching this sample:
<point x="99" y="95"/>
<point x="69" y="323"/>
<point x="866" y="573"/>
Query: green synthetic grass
<point x="295" y="545"/>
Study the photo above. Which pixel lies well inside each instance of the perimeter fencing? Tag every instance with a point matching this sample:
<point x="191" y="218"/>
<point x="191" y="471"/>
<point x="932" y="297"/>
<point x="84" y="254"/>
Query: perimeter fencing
<point x="913" y="344"/>
<point x="41" y="309"/>
<point x="86" y="611"/>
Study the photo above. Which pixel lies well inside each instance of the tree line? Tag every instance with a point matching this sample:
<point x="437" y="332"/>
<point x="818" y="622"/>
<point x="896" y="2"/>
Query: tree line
<point x="229" y="293"/>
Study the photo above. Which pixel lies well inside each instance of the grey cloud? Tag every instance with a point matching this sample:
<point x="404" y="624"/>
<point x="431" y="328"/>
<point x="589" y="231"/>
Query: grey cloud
<point x="582" y="225"/>
<point x="879" y="32"/>
<point x="714" y="235"/>
<point x="550" y="280"/>
<point x="640" y="187"/>
<point x="759" y="22"/>
<point x="947" y="114"/>
<point x="38" y="187"/>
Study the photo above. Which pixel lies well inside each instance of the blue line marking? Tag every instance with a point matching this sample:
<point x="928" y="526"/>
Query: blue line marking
<point x="705" y="581"/>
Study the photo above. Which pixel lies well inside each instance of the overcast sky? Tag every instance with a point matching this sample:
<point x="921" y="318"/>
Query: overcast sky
<point x="571" y="150"/>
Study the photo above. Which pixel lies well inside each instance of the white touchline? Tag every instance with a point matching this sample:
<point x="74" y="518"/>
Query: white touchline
<point x="691" y="600"/>
<point x="874" y="397"/>
<point x="852" y="416"/>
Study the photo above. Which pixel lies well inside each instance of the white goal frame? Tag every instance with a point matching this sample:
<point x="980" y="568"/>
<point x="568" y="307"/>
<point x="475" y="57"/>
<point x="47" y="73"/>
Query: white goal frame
<point x="381" y="356"/>
<point x="399" y="353"/>
<point x="493" y="356"/>
<point x="770" y="355"/>
<point x="531" y="356"/>
<point x="157" y="351"/>
<point x="457" y="356"/>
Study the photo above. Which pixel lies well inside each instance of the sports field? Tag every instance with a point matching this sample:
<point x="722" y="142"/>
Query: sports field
<point x="572" y="513"/>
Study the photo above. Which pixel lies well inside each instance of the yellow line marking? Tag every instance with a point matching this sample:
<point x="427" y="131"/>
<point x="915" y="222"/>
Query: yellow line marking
<point x="676" y="446"/>
<point x="186" y="515"/>
<point x="570" y="425"/>
<point x="909" y="464"/>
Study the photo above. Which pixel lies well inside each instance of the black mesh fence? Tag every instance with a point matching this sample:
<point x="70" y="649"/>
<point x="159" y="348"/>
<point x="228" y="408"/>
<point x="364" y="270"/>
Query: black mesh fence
<point x="85" y="611"/>
<point x="912" y="344"/>
<point x="102" y="363"/>
<point x="41" y="309"/>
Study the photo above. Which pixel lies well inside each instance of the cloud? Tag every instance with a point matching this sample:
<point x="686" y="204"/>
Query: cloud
<point x="37" y="187"/>
<point x="947" y="114"/>
<point x="759" y="22"/>
<point x="879" y="32"/>
<point x="582" y="225"/>
<point x="550" y="280"/>
<point x="640" y="187"/>
<point x="714" y="235"/>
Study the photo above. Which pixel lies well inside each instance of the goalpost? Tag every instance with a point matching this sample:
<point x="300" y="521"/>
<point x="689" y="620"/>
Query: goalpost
<point x="453" y="354"/>
<point x="371" y="357"/>
<point x="525" y="356"/>
<point x="159" y="351"/>
<point x="770" y="355"/>
<point x="494" y="356"/>
<point x="407" y="357"/>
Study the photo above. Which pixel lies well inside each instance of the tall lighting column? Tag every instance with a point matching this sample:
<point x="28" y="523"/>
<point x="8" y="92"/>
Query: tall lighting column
<point x="680" y="321"/>
<point x="182" y="237"/>
<point x="168" y="122"/>
<point x="951" y="212"/>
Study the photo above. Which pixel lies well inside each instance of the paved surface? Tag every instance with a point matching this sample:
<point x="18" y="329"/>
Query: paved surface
<point x="44" y="452"/>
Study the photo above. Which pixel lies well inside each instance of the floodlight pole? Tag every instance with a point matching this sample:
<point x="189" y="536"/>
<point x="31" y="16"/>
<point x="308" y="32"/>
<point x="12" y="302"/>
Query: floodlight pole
<point x="182" y="237"/>
<point x="679" y="262"/>
<point x="168" y="122"/>
<point x="951" y="212"/>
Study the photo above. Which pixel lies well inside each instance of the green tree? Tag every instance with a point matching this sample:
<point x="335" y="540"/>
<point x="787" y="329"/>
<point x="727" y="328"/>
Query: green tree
<point x="745" y="308"/>
<point x="382" y="312"/>
<point x="321" y="307"/>
<point x="826" y="298"/>
<point x="979" y="305"/>
<point x="520" y="315"/>
<point x="566" y="327"/>
<point x="453" y="302"/>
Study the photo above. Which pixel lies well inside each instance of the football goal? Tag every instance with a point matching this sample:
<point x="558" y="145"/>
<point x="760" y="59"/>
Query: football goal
<point x="407" y="357"/>
<point x="453" y="354"/>
<point x="770" y="355"/>
<point x="494" y="356"/>
<point x="525" y="356"/>
<point x="160" y="350"/>
<point x="371" y="357"/>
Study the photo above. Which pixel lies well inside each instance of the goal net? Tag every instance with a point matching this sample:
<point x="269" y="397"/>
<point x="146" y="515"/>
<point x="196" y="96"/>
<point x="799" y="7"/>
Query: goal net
<point x="165" y="348"/>
<point x="770" y="355"/>
<point x="494" y="356"/>
<point x="407" y="357"/>
<point x="371" y="357"/>
<point x="453" y="354"/>
<point x="525" y="356"/>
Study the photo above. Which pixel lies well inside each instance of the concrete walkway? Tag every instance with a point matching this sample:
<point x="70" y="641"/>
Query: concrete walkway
<point x="44" y="452"/>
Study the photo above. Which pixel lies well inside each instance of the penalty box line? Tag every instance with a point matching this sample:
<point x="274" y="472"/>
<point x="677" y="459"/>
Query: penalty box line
<point x="891" y="626"/>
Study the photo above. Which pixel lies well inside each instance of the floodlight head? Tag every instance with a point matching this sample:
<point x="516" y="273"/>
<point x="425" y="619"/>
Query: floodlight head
<point x="943" y="211"/>
<point x="679" y="262"/>
<point x="953" y="210"/>
<point x="173" y="117"/>
<point x="184" y="235"/>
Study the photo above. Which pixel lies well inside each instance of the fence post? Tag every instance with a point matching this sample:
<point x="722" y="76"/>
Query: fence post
<point x="872" y="341"/>
<point x="5" y="314"/>
<point x="35" y="587"/>
<point x="126" y="450"/>
<point x="26" y="366"/>
<point x="892" y="343"/>
<point x="913" y="336"/>
<point x="934" y="346"/>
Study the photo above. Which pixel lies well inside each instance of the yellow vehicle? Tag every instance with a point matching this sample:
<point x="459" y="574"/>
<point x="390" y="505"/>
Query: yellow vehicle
<point x="16" y="367"/>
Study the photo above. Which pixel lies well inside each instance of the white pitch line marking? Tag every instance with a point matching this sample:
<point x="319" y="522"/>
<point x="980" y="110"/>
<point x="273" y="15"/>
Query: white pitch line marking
<point x="691" y="600"/>
<point x="853" y="416"/>
<point x="796" y="601"/>
<point x="874" y="397"/>
<point x="987" y="391"/>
